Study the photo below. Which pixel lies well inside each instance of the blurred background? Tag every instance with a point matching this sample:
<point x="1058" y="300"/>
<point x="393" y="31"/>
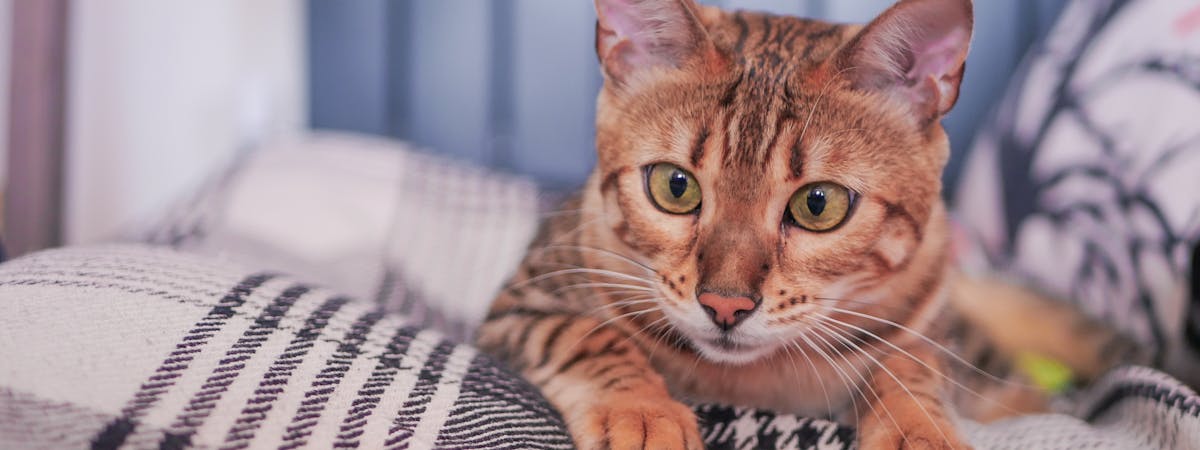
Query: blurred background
<point x="117" y="107"/>
<point x="219" y="127"/>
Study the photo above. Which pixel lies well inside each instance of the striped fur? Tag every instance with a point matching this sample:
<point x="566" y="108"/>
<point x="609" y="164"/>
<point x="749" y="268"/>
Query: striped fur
<point x="603" y="316"/>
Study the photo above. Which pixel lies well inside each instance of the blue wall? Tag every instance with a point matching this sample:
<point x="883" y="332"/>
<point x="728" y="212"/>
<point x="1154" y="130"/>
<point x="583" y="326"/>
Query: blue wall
<point x="511" y="83"/>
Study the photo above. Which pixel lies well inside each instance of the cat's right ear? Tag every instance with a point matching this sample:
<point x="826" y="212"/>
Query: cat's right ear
<point x="637" y="36"/>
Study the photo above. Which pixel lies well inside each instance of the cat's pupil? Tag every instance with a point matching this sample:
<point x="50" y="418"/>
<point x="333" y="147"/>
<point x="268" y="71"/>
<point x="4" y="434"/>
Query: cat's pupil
<point x="678" y="183"/>
<point x="816" y="202"/>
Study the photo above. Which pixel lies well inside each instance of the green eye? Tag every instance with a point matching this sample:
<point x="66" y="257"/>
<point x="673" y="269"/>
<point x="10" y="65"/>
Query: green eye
<point x="820" y="206"/>
<point x="672" y="189"/>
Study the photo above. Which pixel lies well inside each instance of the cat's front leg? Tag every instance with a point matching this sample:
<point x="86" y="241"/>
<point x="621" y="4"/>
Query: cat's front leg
<point x="602" y="383"/>
<point x="908" y="411"/>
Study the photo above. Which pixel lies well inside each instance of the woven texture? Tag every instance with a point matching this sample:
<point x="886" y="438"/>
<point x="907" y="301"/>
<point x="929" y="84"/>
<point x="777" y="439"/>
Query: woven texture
<point x="144" y="348"/>
<point x="418" y="235"/>
<point x="137" y="347"/>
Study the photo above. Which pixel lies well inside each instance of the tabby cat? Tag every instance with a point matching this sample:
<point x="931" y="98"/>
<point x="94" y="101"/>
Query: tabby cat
<point x="763" y="227"/>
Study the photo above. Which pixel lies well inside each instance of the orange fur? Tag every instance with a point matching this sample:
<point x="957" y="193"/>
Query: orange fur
<point x="603" y="314"/>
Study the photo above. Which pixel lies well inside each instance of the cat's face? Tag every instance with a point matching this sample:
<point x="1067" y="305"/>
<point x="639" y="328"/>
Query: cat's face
<point x="771" y="168"/>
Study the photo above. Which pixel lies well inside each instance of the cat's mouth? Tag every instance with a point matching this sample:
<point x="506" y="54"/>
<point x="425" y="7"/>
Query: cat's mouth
<point x="744" y="344"/>
<point x="724" y="343"/>
<point x="728" y="349"/>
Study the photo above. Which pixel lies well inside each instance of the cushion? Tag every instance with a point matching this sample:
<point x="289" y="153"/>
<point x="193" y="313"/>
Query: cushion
<point x="1085" y="183"/>
<point x="425" y="236"/>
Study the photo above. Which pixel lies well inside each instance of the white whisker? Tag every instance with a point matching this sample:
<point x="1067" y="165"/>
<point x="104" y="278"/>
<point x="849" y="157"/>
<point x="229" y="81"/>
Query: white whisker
<point x="862" y="378"/>
<point x="600" y="251"/>
<point x="948" y="378"/>
<point x="631" y="301"/>
<point x="842" y="375"/>
<point x="855" y="350"/>
<point x="582" y="270"/>
<point x="602" y="285"/>
<point x="860" y="302"/>
<point x="817" y="104"/>
<point x="815" y="373"/>
<point x="924" y="338"/>
<point x="611" y="320"/>
<point x="644" y="328"/>
<point x="906" y="390"/>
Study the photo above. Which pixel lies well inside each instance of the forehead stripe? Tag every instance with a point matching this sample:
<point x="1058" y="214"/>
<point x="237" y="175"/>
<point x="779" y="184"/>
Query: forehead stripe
<point x="796" y="162"/>
<point x="698" y="146"/>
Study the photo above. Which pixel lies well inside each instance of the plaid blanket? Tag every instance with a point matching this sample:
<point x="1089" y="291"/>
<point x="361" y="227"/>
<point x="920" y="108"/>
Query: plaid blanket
<point x="126" y="347"/>
<point x="145" y="347"/>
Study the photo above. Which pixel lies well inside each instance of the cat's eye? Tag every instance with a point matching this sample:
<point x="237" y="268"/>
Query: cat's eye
<point x="672" y="189"/>
<point x="820" y="206"/>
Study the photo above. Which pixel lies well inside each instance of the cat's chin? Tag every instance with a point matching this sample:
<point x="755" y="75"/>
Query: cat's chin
<point x="726" y="351"/>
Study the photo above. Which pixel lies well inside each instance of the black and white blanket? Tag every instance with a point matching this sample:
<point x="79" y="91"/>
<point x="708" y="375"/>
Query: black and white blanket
<point x="146" y="347"/>
<point x="127" y="347"/>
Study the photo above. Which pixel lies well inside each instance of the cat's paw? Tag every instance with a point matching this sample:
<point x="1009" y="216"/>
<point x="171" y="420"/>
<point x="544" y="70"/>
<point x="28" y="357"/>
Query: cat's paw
<point x="913" y="434"/>
<point x="631" y="422"/>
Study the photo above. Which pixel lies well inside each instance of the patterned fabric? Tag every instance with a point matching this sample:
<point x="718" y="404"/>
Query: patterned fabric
<point x="1087" y="183"/>
<point x="137" y="347"/>
<point x="126" y="347"/>
<point x="1130" y="408"/>
<point x="731" y="427"/>
<point x="422" y="236"/>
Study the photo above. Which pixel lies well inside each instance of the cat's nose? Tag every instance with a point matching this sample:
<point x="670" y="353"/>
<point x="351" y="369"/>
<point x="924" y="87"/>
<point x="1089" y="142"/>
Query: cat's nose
<point x="726" y="312"/>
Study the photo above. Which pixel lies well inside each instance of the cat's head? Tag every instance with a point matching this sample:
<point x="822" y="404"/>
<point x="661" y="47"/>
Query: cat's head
<point x="768" y="167"/>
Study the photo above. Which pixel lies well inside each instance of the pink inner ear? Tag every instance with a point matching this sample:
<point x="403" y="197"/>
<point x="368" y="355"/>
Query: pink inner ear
<point x="938" y="57"/>
<point x="646" y="33"/>
<point x="914" y="52"/>
<point x="621" y="17"/>
<point x="616" y="15"/>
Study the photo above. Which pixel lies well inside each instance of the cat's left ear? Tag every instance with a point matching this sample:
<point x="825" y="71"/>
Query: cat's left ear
<point x="914" y="52"/>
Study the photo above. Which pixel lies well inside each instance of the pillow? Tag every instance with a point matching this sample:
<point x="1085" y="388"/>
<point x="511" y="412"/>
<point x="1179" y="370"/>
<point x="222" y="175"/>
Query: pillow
<point x="1085" y="183"/>
<point x="419" y="235"/>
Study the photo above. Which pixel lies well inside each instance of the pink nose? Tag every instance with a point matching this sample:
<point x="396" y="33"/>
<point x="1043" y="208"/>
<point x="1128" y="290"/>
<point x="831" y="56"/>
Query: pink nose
<point x="726" y="312"/>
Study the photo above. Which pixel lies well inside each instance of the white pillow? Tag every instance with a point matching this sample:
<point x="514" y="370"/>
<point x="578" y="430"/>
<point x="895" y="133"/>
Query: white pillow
<point x="370" y="217"/>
